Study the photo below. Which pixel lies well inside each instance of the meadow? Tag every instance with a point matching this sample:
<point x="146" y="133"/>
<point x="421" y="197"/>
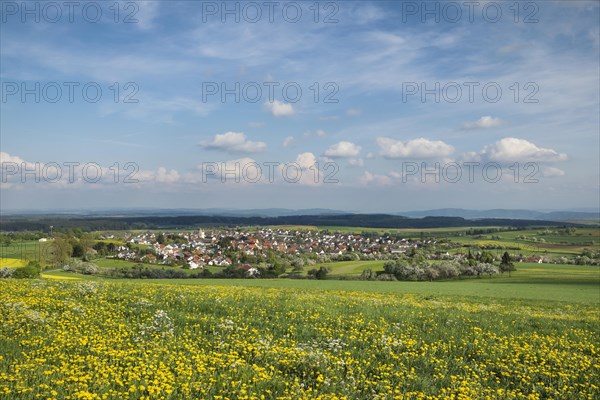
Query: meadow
<point x="113" y="339"/>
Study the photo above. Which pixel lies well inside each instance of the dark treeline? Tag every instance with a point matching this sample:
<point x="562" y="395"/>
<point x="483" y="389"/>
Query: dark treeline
<point x="23" y="223"/>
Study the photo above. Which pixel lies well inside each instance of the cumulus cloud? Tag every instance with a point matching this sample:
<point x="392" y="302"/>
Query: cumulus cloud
<point x="306" y="160"/>
<point x="7" y="158"/>
<point x="416" y="148"/>
<point x="161" y="175"/>
<point x="343" y="149"/>
<point x="513" y="149"/>
<point x="485" y="122"/>
<point x="234" y="142"/>
<point x="64" y="174"/>
<point x="279" y="109"/>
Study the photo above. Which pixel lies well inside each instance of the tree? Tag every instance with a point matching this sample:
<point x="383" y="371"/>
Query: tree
<point x="78" y="251"/>
<point x="486" y="257"/>
<point x="506" y="264"/>
<point x="320" y="273"/>
<point x="56" y="252"/>
<point x="488" y="269"/>
<point x="368" y="275"/>
<point x="160" y="238"/>
<point x="5" y="240"/>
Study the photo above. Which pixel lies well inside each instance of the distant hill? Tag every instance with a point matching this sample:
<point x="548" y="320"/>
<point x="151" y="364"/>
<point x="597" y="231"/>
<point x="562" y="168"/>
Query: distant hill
<point x="131" y="212"/>
<point x="504" y="213"/>
<point x="91" y="223"/>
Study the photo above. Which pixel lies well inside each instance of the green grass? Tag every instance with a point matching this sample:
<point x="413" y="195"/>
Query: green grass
<point x="117" y="263"/>
<point x="25" y="250"/>
<point x="569" y="283"/>
<point x="347" y="268"/>
<point x="554" y="244"/>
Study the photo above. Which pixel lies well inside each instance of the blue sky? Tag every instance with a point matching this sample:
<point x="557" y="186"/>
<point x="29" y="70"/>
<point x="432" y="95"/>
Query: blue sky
<point x="370" y="127"/>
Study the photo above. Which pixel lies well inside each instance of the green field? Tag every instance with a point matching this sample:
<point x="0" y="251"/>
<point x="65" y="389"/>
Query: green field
<point x="24" y="250"/>
<point x="348" y="268"/>
<point x="571" y="283"/>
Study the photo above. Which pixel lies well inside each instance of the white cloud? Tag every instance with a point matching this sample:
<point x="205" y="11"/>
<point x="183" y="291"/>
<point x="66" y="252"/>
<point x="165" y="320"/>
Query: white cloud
<point x="163" y="176"/>
<point x="353" y="112"/>
<point x="485" y="122"/>
<point x="343" y="149"/>
<point x="356" y="162"/>
<point x="279" y="109"/>
<point x="470" y="156"/>
<point x="12" y="171"/>
<point x="234" y="142"/>
<point x="306" y="160"/>
<point x="552" y="172"/>
<point x="62" y="174"/>
<point x="368" y="178"/>
<point x="392" y="148"/>
<point x="7" y="158"/>
<point x="513" y="149"/>
<point x="287" y="141"/>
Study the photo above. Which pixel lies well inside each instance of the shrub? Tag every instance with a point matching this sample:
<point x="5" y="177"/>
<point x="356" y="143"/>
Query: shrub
<point x="6" y="272"/>
<point x="386" y="277"/>
<point x="86" y="268"/>
<point x="320" y="273"/>
<point x="30" y="271"/>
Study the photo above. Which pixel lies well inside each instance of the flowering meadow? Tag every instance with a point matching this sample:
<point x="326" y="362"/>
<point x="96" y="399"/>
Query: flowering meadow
<point x="119" y="340"/>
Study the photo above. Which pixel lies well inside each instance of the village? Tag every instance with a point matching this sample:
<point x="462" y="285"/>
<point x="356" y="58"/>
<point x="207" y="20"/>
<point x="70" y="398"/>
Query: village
<point x="225" y="247"/>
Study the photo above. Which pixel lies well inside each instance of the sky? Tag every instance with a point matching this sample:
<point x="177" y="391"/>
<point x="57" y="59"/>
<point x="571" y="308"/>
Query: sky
<point x="380" y="106"/>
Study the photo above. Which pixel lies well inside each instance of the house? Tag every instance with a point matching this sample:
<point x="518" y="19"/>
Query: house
<point x="534" y="259"/>
<point x="194" y="265"/>
<point x="250" y="270"/>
